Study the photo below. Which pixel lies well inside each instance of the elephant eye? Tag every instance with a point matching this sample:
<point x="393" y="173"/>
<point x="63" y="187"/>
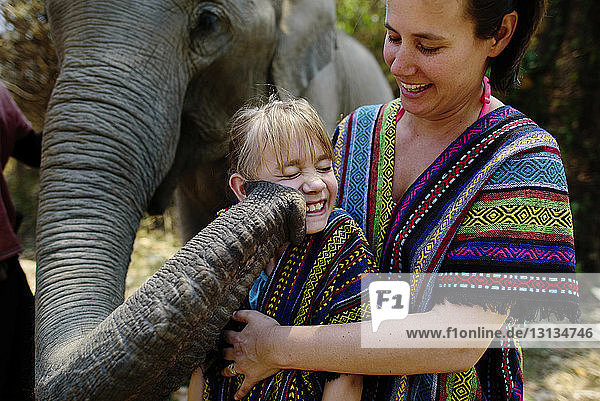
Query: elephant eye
<point x="210" y="32"/>
<point x="206" y="23"/>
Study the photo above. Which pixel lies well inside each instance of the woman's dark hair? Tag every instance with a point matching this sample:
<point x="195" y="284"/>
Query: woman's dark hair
<point x="488" y="15"/>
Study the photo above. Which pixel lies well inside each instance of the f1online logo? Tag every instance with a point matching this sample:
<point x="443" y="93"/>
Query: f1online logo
<point x="388" y="300"/>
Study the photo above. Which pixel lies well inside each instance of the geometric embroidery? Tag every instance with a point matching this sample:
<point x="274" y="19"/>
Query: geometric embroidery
<point x="424" y="387"/>
<point x="316" y="282"/>
<point x="522" y="283"/>
<point x="550" y="218"/>
<point x="363" y="162"/>
<point x="358" y="155"/>
<point x="478" y="129"/>
<point x="384" y="201"/>
<point x="296" y="257"/>
<point x="514" y="253"/>
<point x="495" y="199"/>
<point x="462" y="385"/>
<point x="327" y="253"/>
<point x="531" y="169"/>
<point x="456" y="198"/>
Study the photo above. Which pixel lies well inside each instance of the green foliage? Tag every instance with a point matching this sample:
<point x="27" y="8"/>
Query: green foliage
<point x="28" y="64"/>
<point x="363" y="20"/>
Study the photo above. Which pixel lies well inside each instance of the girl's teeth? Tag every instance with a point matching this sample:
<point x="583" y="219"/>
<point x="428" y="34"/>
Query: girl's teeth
<point x="314" y="207"/>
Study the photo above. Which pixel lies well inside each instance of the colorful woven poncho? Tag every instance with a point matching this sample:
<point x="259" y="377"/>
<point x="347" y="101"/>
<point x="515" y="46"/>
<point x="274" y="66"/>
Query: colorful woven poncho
<point x="495" y="201"/>
<point x="316" y="282"/>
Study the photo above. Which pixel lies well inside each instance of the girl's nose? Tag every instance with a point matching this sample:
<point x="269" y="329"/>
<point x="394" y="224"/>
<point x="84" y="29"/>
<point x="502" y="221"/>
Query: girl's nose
<point x="313" y="183"/>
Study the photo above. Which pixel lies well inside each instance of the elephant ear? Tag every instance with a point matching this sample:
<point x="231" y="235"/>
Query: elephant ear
<point x="306" y="42"/>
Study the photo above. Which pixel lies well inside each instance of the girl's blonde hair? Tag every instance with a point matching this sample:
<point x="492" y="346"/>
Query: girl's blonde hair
<point x="279" y="124"/>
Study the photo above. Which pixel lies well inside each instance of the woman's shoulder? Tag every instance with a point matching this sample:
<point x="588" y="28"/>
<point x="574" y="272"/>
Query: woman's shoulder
<point x="522" y="127"/>
<point x="536" y="157"/>
<point x="362" y="119"/>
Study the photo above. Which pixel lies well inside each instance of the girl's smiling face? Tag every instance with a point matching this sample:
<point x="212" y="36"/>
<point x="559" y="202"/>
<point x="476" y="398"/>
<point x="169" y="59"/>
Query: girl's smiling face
<point x="312" y="175"/>
<point x="432" y="50"/>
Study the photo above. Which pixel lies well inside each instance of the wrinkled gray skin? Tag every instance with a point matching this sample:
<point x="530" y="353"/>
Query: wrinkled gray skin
<point x="148" y="345"/>
<point x="144" y="93"/>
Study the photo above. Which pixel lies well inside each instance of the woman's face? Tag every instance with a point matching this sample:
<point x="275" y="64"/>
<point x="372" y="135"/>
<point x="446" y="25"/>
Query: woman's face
<point x="432" y="50"/>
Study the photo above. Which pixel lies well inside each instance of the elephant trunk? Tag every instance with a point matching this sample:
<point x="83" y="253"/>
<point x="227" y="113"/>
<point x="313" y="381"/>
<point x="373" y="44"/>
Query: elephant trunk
<point x="97" y="175"/>
<point x="151" y="343"/>
<point x="96" y="178"/>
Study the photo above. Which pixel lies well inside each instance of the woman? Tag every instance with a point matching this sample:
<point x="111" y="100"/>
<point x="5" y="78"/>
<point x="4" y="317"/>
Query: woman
<point x="444" y="179"/>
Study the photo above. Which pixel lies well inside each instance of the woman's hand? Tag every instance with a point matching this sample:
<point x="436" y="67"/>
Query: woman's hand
<point x="251" y="352"/>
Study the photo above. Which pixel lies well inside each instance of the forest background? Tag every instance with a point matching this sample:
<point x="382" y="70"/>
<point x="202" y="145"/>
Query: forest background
<point x="560" y="90"/>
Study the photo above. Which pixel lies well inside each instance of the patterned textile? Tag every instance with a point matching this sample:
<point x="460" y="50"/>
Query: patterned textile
<point x="490" y="210"/>
<point x="317" y="282"/>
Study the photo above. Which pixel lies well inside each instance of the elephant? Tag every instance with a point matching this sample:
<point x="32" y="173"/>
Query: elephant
<point x="139" y="111"/>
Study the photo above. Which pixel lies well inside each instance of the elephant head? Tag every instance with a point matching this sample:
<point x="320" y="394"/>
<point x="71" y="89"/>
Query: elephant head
<point x="140" y="107"/>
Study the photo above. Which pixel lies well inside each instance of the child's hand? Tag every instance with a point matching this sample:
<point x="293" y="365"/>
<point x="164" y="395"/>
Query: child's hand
<point x="345" y="387"/>
<point x="196" y="388"/>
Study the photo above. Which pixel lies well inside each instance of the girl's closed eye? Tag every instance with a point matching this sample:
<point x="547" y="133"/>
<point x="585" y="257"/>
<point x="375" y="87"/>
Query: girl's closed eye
<point x="324" y="166"/>
<point x="290" y="173"/>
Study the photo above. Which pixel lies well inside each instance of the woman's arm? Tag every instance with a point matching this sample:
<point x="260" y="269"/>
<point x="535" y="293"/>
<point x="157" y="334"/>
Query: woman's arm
<point x="263" y="346"/>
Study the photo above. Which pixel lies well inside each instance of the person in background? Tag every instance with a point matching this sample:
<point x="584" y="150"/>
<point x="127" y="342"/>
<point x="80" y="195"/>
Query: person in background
<point x="19" y="140"/>
<point x="316" y="282"/>
<point x="445" y="179"/>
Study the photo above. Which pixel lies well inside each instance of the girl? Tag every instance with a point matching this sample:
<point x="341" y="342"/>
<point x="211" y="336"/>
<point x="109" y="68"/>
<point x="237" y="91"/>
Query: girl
<point x="318" y="282"/>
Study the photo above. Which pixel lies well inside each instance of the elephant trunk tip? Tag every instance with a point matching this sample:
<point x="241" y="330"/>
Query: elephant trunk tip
<point x="294" y="205"/>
